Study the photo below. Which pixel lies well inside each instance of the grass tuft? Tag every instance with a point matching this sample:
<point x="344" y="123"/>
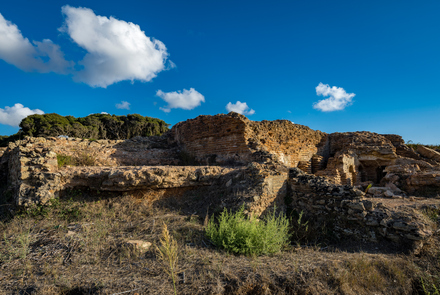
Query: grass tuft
<point x="64" y="160"/>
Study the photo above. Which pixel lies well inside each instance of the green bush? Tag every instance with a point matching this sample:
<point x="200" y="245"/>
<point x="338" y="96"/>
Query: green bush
<point x="239" y="234"/>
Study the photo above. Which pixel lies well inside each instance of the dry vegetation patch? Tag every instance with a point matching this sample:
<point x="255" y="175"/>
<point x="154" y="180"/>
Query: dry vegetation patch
<point x="78" y="245"/>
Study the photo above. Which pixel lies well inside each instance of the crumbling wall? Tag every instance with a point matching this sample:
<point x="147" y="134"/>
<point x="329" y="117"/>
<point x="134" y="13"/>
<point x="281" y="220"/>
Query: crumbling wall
<point x="32" y="171"/>
<point x="214" y="139"/>
<point x="428" y="153"/>
<point x="353" y="215"/>
<point x="290" y="143"/>
<point x="223" y="139"/>
<point x="357" y="157"/>
<point x="401" y="148"/>
<point x="35" y="178"/>
<point x="138" y="151"/>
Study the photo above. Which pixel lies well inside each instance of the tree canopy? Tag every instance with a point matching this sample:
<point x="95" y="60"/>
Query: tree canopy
<point x="95" y="126"/>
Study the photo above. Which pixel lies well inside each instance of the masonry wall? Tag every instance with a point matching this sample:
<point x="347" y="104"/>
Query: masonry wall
<point x="214" y="139"/>
<point x="291" y="143"/>
<point x="133" y="152"/>
<point x="233" y="137"/>
<point x="350" y="214"/>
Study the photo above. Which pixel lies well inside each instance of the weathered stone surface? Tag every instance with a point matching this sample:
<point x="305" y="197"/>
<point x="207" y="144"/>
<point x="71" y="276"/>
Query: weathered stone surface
<point x="233" y="138"/>
<point x="428" y="153"/>
<point x="125" y="178"/>
<point x="139" y="245"/>
<point x="377" y="190"/>
<point x="427" y="179"/>
<point x="401" y="148"/>
<point x="355" y="216"/>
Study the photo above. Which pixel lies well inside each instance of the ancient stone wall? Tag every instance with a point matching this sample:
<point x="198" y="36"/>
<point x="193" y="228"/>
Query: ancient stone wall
<point x="290" y="143"/>
<point x="428" y="153"/>
<point x="214" y="139"/>
<point x="357" y="157"/>
<point x="353" y="215"/>
<point x="234" y="138"/>
<point x="137" y="151"/>
<point x="35" y="177"/>
<point x="32" y="171"/>
<point x="401" y="148"/>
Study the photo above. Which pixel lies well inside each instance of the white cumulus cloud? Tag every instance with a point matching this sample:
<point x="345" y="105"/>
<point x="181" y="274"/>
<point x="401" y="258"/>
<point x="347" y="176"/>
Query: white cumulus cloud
<point x="338" y="98"/>
<point x="186" y="99"/>
<point x="43" y="57"/>
<point x="13" y="115"/>
<point x="116" y="50"/>
<point x="124" y="105"/>
<point x="240" y="107"/>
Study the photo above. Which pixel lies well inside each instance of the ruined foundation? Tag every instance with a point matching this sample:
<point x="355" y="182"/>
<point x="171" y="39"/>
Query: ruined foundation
<point x="230" y="161"/>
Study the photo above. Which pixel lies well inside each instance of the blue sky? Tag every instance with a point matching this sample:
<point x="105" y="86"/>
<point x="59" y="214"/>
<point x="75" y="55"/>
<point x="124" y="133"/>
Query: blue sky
<point x="374" y="63"/>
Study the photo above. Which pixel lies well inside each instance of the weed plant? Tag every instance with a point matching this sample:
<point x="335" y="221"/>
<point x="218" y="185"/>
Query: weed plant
<point x="239" y="234"/>
<point x="300" y="229"/>
<point x="81" y="159"/>
<point x="167" y="254"/>
<point x="429" y="290"/>
<point x="432" y="213"/>
<point x="64" y="160"/>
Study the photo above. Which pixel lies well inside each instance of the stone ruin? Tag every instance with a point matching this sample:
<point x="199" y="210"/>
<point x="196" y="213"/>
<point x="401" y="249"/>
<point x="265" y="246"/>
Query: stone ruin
<point x="364" y="185"/>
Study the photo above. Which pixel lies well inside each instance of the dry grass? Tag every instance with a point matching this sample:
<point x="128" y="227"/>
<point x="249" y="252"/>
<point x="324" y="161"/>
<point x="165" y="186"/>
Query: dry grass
<point x="77" y="246"/>
<point x="84" y="158"/>
<point x="166" y="253"/>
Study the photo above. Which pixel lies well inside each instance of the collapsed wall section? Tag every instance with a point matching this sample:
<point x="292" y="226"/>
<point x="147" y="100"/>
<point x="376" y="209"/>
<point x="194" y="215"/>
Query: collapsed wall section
<point x="290" y="143"/>
<point x="350" y="214"/>
<point x="357" y="157"/>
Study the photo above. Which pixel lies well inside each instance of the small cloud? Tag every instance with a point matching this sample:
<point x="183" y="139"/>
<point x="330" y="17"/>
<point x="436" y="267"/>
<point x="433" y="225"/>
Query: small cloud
<point x="42" y="57"/>
<point x="104" y="113"/>
<point x="186" y="99"/>
<point x="171" y="65"/>
<point x="289" y="112"/>
<point x="338" y="98"/>
<point x="124" y="105"/>
<point x="13" y="115"/>
<point x="240" y="107"/>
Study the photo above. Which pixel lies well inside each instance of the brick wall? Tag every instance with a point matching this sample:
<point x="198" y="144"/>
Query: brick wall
<point x="233" y="137"/>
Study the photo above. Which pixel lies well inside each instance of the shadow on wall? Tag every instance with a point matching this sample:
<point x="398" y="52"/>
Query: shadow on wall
<point x="372" y="171"/>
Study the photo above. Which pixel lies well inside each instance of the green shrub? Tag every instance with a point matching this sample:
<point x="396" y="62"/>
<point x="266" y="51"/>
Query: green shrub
<point x="250" y="236"/>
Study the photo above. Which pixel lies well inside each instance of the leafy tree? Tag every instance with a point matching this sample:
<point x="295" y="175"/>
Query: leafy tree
<point x="96" y="126"/>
